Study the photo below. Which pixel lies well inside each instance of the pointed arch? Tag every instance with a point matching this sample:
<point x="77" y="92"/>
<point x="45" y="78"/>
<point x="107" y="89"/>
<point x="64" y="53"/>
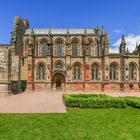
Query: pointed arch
<point x="91" y="41"/>
<point x="77" y="70"/>
<point x="114" y="71"/>
<point x="132" y="71"/>
<point x="59" y="65"/>
<point x="59" y="39"/>
<point x="44" y="48"/>
<point x="59" y="43"/>
<point x="40" y="71"/>
<point x="74" y="44"/>
<point x="42" y="40"/>
<point x="95" y="71"/>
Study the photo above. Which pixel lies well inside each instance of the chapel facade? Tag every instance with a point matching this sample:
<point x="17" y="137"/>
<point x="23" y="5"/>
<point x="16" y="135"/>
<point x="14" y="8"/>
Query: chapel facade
<point x="40" y="59"/>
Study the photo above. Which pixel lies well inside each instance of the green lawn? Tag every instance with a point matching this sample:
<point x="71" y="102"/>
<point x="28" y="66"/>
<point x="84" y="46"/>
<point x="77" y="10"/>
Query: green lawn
<point x="77" y="124"/>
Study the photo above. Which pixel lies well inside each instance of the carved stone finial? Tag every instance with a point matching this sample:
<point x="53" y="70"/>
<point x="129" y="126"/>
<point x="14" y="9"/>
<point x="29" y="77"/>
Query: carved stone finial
<point x="49" y="32"/>
<point x="127" y="51"/>
<point x="137" y="46"/>
<point x="68" y="33"/>
<point x="68" y="38"/>
<point x="123" y="39"/>
<point x="106" y="39"/>
<point x="49" y="37"/>
<point x="103" y="31"/>
<point x="32" y="32"/>
<point x="85" y="31"/>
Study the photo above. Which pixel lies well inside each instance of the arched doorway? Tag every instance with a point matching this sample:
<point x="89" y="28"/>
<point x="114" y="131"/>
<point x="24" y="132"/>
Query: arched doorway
<point x="58" y="80"/>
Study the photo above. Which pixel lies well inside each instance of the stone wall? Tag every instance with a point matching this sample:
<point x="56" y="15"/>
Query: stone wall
<point x="4" y="70"/>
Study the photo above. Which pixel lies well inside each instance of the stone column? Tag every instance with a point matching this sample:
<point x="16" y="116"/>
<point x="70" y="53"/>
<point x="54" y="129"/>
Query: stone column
<point x="105" y="73"/>
<point x="48" y="71"/>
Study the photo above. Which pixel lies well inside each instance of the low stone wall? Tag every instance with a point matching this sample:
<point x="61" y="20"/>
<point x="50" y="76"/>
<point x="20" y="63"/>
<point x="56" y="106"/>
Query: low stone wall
<point x="77" y="86"/>
<point x="4" y="89"/>
<point x="93" y="86"/>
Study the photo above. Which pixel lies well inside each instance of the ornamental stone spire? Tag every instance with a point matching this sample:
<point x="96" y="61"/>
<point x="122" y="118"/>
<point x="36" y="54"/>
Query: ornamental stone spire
<point x="103" y="31"/>
<point x="123" y="46"/>
<point x="86" y="41"/>
<point x="68" y="37"/>
<point x="123" y="40"/>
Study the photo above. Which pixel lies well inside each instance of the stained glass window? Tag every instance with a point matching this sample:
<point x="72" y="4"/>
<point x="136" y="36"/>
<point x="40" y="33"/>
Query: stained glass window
<point x="94" y="72"/>
<point x="45" y="48"/>
<point x="76" y="72"/>
<point x="74" y="48"/>
<point x="113" y="72"/>
<point x="59" y="48"/>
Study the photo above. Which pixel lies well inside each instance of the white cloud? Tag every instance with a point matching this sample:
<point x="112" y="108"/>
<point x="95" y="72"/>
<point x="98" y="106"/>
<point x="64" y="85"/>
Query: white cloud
<point x="130" y="40"/>
<point x="118" y="31"/>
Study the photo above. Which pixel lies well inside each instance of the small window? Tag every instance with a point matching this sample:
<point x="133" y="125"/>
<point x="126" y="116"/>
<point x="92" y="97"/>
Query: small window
<point x="113" y="72"/>
<point x="59" y="49"/>
<point x="74" y="48"/>
<point x="94" y="72"/>
<point x="77" y="72"/>
<point x="41" y="72"/>
<point x="132" y="72"/>
<point x="44" y="48"/>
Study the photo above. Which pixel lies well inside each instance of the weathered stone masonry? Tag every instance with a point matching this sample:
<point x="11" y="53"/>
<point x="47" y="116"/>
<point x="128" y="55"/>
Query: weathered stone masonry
<point x="68" y="59"/>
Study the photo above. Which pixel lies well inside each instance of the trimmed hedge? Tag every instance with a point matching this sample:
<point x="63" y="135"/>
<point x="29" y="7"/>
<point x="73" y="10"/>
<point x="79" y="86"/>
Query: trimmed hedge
<point x="93" y="102"/>
<point x="133" y="101"/>
<point x="100" y="101"/>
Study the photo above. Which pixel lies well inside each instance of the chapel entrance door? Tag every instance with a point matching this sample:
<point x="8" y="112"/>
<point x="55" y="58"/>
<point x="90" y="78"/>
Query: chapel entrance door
<point x="58" y="81"/>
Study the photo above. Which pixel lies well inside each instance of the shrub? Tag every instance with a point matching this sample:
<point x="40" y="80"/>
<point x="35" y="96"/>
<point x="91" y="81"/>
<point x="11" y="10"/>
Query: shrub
<point x="133" y="101"/>
<point x="93" y="101"/>
<point x="101" y="103"/>
<point x="70" y="101"/>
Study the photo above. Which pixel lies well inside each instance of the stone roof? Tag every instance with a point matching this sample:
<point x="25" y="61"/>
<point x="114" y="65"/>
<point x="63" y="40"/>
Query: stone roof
<point x="63" y="31"/>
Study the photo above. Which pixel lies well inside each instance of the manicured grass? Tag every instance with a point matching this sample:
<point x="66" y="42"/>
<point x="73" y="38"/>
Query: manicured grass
<point x="77" y="124"/>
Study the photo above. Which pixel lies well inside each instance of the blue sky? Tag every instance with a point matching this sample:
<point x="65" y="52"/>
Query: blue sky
<point x="118" y="16"/>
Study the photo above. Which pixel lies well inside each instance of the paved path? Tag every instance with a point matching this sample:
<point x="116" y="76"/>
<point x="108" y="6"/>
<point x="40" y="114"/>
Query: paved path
<point x="32" y="103"/>
<point x="44" y="102"/>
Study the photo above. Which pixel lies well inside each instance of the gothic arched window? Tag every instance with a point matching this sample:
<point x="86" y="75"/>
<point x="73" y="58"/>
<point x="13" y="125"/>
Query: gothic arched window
<point x="94" y="72"/>
<point x="59" y="66"/>
<point x="77" y="72"/>
<point x="40" y="72"/>
<point x="74" y="48"/>
<point x="59" y="48"/>
<point x="44" y="48"/>
<point x="113" y="72"/>
<point x="132" y="72"/>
